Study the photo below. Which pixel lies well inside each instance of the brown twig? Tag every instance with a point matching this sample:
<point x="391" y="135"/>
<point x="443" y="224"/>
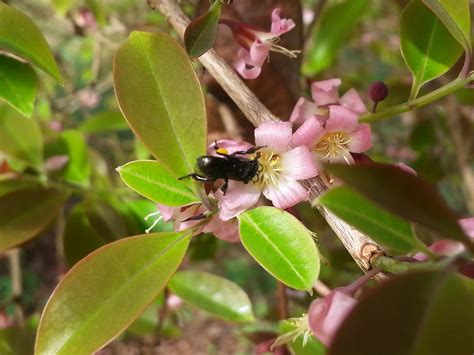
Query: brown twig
<point x="256" y="113"/>
<point x="282" y="301"/>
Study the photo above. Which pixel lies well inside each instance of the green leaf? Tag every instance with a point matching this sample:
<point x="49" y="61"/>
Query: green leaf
<point x="336" y="24"/>
<point x="213" y="294"/>
<point x="281" y="245"/>
<point x="21" y="138"/>
<point x="428" y="48"/>
<point x="80" y="238"/>
<point x="25" y="213"/>
<point x="456" y="16"/>
<point x="424" y="312"/>
<point x="78" y="169"/>
<point x="404" y="194"/>
<point x="104" y="292"/>
<point x="151" y="179"/>
<point x="384" y="227"/>
<point x="16" y="341"/>
<point x="19" y="35"/>
<point x="10" y="184"/>
<point x="106" y="220"/>
<point x="160" y="96"/>
<point x="201" y="33"/>
<point x="18" y="84"/>
<point x="104" y="122"/>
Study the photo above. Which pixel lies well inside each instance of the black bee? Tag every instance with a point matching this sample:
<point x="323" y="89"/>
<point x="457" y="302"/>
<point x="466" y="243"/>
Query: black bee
<point x="227" y="166"/>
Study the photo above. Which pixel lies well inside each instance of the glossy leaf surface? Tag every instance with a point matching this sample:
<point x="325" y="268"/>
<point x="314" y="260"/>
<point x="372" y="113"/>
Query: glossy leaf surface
<point x="213" y="294"/>
<point x="21" y="137"/>
<point x="336" y="24"/>
<point x="382" y="226"/>
<point x="20" y="35"/>
<point x="25" y="213"/>
<point x="403" y="194"/>
<point x="424" y="312"/>
<point x="152" y="180"/>
<point x="428" y="48"/>
<point x="18" y="84"/>
<point x="281" y="245"/>
<point x="104" y="292"/>
<point x="160" y="96"/>
<point x="456" y="16"/>
<point x="201" y="33"/>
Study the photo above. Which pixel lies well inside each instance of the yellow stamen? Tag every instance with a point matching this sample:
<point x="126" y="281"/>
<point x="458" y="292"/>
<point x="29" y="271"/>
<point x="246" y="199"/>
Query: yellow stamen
<point x="270" y="165"/>
<point x="333" y="144"/>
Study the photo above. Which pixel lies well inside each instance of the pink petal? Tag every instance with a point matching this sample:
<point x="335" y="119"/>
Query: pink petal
<point x="225" y="230"/>
<point x="361" y="139"/>
<point x="276" y="136"/>
<point x="167" y="212"/>
<point x="185" y="213"/>
<point x="325" y="92"/>
<point x="56" y="162"/>
<point x="230" y="145"/>
<point x="249" y="63"/>
<point x="467" y="224"/>
<point x="341" y="119"/>
<point x="245" y="72"/>
<point x="279" y="25"/>
<point x="239" y="198"/>
<point x="352" y="101"/>
<point x="298" y="163"/>
<point x="305" y="109"/>
<point x="325" y="316"/>
<point x="406" y="168"/>
<point x="286" y="194"/>
<point x="309" y="133"/>
<point x="446" y="247"/>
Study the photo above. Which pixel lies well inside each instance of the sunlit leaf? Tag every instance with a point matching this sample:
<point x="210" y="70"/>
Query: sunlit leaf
<point x="282" y="245"/>
<point x="428" y="48"/>
<point x="424" y="312"/>
<point x="455" y="15"/>
<point x="19" y="35"/>
<point x="104" y="292"/>
<point x="21" y="138"/>
<point x="404" y="194"/>
<point x="201" y="33"/>
<point x="213" y="294"/>
<point x="160" y="96"/>
<point x="25" y="213"/>
<point x="382" y="226"/>
<point x="336" y="24"/>
<point x="18" y="84"/>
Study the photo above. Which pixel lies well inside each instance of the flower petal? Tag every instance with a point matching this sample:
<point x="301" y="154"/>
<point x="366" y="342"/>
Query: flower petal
<point x="309" y="133"/>
<point x="249" y="63"/>
<point x="276" y="136"/>
<point x="279" y="25"/>
<point x="167" y="212"/>
<point x="298" y="163"/>
<point x="341" y="119"/>
<point x="229" y="145"/>
<point x="467" y="224"/>
<point x="225" y="230"/>
<point x="406" y="168"/>
<point x="305" y="109"/>
<point x="287" y="193"/>
<point x="239" y="198"/>
<point x="361" y="140"/>
<point x="352" y="101"/>
<point x="325" y="92"/>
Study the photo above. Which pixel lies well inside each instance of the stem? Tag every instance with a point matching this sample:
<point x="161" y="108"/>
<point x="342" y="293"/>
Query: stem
<point x="16" y="282"/>
<point x="393" y="266"/>
<point x="445" y="90"/>
<point x="282" y="301"/>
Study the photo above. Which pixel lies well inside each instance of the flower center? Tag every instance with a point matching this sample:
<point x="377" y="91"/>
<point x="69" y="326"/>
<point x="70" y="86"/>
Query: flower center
<point x="333" y="144"/>
<point x="270" y="168"/>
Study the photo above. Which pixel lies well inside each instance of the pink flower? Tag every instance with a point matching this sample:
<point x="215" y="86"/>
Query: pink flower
<point x="256" y="44"/>
<point x="325" y="315"/>
<point x="183" y="219"/>
<point x="280" y="170"/>
<point x="448" y="247"/>
<point x="335" y="138"/>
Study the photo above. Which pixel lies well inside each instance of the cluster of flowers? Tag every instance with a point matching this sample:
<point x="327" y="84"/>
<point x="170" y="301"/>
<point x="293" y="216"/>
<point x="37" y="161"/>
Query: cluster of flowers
<point x="327" y="130"/>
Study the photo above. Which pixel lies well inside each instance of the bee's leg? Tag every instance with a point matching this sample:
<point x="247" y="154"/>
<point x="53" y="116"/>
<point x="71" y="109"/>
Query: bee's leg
<point x="197" y="177"/>
<point x="225" y="186"/>
<point x="248" y="151"/>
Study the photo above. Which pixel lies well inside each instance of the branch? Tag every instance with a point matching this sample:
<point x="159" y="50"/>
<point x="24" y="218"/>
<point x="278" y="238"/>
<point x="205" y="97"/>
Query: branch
<point x="361" y="247"/>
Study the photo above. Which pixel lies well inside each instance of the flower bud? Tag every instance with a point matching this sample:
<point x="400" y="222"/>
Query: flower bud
<point x="378" y="91"/>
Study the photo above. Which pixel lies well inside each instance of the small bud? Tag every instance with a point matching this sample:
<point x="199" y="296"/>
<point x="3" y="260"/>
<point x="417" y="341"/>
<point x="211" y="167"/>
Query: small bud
<point x="378" y="91"/>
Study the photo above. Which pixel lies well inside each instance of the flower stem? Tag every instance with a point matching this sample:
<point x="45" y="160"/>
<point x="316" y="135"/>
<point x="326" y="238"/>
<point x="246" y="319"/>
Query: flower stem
<point x="445" y="90"/>
<point x="394" y="266"/>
